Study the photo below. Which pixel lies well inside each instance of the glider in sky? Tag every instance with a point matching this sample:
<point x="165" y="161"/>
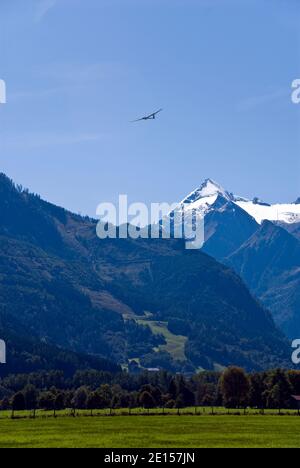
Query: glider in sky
<point x="149" y="117"/>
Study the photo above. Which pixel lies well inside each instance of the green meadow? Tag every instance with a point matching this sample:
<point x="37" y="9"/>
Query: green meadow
<point x="154" y="431"/>
<point x="175" y="344"/>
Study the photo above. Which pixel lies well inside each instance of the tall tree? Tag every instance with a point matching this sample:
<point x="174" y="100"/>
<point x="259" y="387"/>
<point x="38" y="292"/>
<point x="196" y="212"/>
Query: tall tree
<point x="185" y="393"/>
<point x="80" y="398"/>
<point x="179" y="402"/>
<point x="59" y="402"/>
<point x="235" y="387"/>
<point x="94" y="401"/>
<point x="147" y="401"/>
<point x="257" y="391"/>
<point x="31" y="397"/>
<point x="46" y="401"/>
<point x="106" y="394"/>
<point x="18" y="403"/>
<point x="280" y="390"/>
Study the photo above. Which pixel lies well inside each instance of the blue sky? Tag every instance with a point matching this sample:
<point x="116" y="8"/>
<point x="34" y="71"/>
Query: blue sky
<point x="78" y="71"/>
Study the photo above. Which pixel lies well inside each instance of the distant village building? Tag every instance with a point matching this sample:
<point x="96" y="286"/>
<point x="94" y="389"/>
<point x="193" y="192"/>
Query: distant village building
<point x="135" y="368"/>
<point x="296" y="398"/>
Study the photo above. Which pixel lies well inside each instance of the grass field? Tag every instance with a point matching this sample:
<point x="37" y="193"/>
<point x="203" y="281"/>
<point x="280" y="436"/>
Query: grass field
<point x="152" y="431"/>
<point x="175" y="344"/>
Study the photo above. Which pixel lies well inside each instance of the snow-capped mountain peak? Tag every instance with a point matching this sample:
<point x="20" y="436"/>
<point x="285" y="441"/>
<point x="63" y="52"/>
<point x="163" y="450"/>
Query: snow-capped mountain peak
<point x="205" y="196"/>
<point x="209" y="189"/>
<point x="203" y="199"/>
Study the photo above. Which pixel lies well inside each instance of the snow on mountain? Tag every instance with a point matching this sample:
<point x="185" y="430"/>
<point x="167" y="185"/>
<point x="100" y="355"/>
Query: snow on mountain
<point x="208" y="192"/>
<point x="204" y="197"/>
<point x="208" y="189"/>
<point x="202" y="200"/>
<point x="287" y="213"/>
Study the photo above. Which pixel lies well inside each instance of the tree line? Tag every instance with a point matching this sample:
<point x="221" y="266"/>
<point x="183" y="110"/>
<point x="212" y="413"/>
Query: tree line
<point x="92" y="390"/>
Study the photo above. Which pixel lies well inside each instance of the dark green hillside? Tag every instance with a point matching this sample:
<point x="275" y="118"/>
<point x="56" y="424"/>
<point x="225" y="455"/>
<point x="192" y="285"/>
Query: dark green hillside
<point x="63" y="285"/>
